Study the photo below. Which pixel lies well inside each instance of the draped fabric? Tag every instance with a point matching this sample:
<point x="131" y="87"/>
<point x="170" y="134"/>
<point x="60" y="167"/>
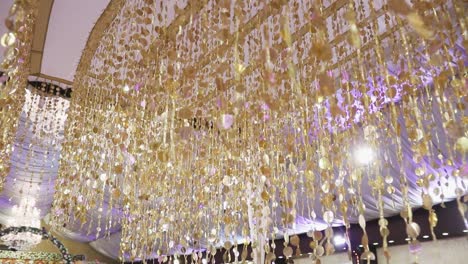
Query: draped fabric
<point x="35" y="159"/>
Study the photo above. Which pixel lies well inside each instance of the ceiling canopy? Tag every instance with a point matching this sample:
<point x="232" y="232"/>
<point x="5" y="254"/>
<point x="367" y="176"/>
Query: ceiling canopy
<point x="200" y="125"/>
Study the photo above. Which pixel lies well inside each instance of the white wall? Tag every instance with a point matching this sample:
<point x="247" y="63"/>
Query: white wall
<point x="450" y="251"/>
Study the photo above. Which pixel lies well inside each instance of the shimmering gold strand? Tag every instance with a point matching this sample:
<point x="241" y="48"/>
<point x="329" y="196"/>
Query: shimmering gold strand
<point x="17" y="41"/>
<point x="219" y="126"/>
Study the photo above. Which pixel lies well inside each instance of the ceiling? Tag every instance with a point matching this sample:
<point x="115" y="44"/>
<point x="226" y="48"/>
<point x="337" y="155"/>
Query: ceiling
<point x="60" y="36"/>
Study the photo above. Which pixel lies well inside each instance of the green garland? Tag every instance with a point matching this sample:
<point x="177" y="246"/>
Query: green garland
<point x="67" y="257"/>
<point x="30" y="255"/>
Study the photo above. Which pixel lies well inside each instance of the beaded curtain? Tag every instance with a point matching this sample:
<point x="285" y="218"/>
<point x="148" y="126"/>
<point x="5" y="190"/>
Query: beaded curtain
<point x="206" y="124"/>
<point x="15" y="65"/>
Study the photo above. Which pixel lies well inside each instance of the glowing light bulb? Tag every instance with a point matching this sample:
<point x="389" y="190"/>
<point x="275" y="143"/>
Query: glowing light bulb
<point x="339" y="240"/>
<point x="364" y="155"/>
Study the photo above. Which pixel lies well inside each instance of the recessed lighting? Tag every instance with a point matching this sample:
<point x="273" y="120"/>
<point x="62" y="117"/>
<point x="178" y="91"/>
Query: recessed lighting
<point x="280" y="257"/>
<point x="391" y="241"/>
<point x="445" y="234"/>
<point x="339" y="240"/>
<point x="407" y="239"/>
<point x="425" y="236"/>
<point x="360" y="245"/>
<point x="375" y="244"/>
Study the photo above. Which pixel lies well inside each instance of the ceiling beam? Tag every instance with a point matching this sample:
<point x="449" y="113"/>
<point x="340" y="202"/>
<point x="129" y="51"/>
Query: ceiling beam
<point x="40" y="34"/>
<point x="52" y="78"/>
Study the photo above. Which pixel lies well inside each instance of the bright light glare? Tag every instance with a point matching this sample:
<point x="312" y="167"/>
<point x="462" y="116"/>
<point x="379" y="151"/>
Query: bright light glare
<point x="339" y="240"/>
<point x="364" y="155"/>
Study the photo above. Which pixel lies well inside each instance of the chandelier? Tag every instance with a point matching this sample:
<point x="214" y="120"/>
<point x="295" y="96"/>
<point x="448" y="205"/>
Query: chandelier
<point x="24" y="214"/>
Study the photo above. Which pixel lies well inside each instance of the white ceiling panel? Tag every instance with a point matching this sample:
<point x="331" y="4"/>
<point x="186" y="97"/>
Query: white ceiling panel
<point x="69" y="27"/>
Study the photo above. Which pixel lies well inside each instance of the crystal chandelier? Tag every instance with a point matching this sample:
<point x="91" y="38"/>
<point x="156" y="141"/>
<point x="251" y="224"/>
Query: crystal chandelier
<point x="26" y="214"/>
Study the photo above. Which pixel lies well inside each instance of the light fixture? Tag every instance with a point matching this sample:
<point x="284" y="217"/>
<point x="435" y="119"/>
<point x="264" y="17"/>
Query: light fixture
<point x="339" y="240"/>
<point x="407" y="239"/>
<point x="465" y="231"/>
<point x="391" y="241"/>
<point x="280" y="257"/>
<point x="360" y="246"/>
<point x="364" y="155"/>
<point x="425" y="236"/>
<point x="445" y="234"/>
<point x="375" y="244"/>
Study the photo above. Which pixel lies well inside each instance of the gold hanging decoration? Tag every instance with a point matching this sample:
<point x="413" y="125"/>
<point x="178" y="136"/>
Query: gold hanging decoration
<point x="218" y="121"/>
<point x="15" y="68"/>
